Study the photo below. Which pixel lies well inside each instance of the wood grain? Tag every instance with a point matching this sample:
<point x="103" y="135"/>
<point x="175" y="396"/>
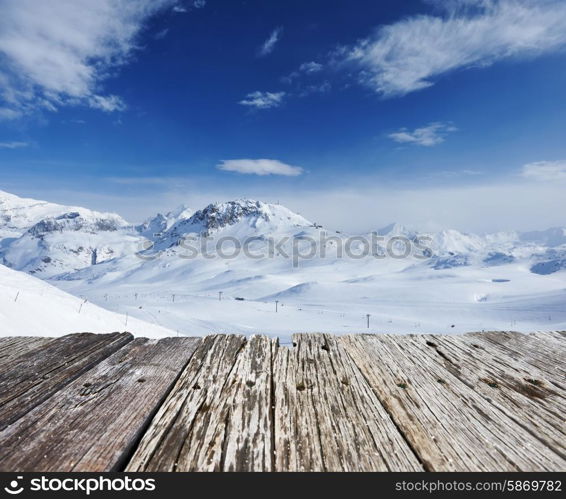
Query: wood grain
<point x="327" y="418"/>
<point x="189" y="430"/>
<point x="522" y="393"/>
<point x="93" y="423"/>
<point x="449" y="424"/>
<point x="542" y="352"/>
<point x="477" y="402"/>
<point x="12" y="347"/>
<point x="29" y="379"/>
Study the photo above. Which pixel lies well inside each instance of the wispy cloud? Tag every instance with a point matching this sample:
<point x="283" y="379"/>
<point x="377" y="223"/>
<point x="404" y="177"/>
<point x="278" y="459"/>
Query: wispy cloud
<point x="304" y="81"/>
<point x="311" y="67"/>
<point x="161" y="34"/>
<point x="411" y="54"/>
<point x="429" y="135"/>
<point x="317" y="88"/>
<point x="13" y="145"/>
<point x="545" y="170"/>
<point x="186" y="6"/>
<point x="107" y="103"/>
<point x="263" y="100"/>
<point x="269" y="44"/>
<point x="58" y="53"/>
<point x="307" y="68"/>
<point x="260" y="167"/>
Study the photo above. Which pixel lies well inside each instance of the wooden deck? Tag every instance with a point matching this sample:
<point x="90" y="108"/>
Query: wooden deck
<point x="477" y="402"/>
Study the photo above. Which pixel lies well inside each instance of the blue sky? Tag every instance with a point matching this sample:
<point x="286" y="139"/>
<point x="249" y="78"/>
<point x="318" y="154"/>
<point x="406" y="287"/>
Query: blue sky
<point x="428" y="113"/>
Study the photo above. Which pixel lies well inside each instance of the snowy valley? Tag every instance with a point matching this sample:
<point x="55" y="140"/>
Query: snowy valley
<point x="248" y="267"/>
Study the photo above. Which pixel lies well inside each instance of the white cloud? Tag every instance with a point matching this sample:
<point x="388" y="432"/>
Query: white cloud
<point x="269" y="44"/>
<point x="57" y="53"/>
<point x="410" y="54"/>
<point x="307" y="68"/>
<point x="260" y="167"/>
<point x="263" y="100"/>
<point x="430" y="135"/>
<point x="13" y="145"/>
<point x="107" y="103"/>
<point x="195" y="4"/>
<point x="311" y="67"/>
<point x="545" y="170"/>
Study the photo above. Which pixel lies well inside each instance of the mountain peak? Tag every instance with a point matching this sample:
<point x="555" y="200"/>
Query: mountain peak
<point x="181" y="212"/>
<point x="155" y="226"/>
<point x="219" y="215"/>
<point x="394" y="229"/>
<point x="243" y="213"/>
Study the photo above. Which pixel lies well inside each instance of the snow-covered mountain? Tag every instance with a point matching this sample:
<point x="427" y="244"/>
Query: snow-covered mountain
<point x="244" y="218"/>
<point x="70" y="241"/>
<point x="19" y="214"/>
<point x="32" y="307"/>
<point x="155" y="226"/>
<point x="221" y="268"/>
<point x="49" y="239"/>
<point x="555" y="236"/>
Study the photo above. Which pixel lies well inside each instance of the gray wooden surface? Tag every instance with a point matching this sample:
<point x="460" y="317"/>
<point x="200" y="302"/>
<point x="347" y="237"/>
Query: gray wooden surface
<point x="28" y="379"/>
<point x="122" y="393"/>
<point x="482" y="401"/>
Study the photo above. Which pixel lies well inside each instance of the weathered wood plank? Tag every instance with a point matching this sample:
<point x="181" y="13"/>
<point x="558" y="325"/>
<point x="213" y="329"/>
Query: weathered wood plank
<point x="482" y="401"/>
<point x="530" y="400"/>
<point x="12" y="347"/>
<point x="194" y="428"/>
<point x="93" y="423"/>
<point x="245" y="421"/>
<point x="327" y="418"/>
<point x="449" y="425"/>
<point x="297" y="446"/>
<point x="31" y="378"/>
<point x="526" y="350"/>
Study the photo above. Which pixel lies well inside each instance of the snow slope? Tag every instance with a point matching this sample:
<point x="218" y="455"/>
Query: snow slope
<point x="330" y="295"/>
<point x="70" y="242"/>
<point x="47" y="239"/>
<point x="19" y="214"/>
<point x="31" y="307"/>
<point x="153" y="227"/>
<point x="456" y="282"/>
<point x="467" y="282"/>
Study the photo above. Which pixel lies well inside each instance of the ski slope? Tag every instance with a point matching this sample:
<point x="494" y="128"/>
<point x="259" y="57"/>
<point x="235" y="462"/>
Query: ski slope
<point x="31" y="307"/>
<point x="461" y="282"/>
